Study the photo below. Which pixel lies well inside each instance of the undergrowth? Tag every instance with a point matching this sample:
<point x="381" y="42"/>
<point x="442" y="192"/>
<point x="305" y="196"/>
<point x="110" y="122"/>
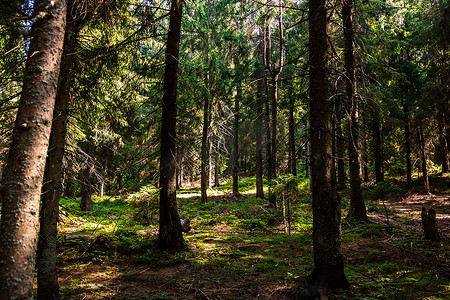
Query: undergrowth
<point x="235" y="238"/>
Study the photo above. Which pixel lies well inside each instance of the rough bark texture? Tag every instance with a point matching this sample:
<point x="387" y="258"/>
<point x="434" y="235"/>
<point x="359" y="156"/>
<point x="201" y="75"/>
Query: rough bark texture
<point x="170" y="235"/>
<point x="86" y="175"/>
<point x="328" y="270"/>
<point x="259" y="123"/>
<point x="429" y="224"/>
<point x="357" y="210"/>
<point x="47" y="276"/>
<point x="234" y="156"/>
<point x="22" y="177"/>
<point x="205" y="152"/>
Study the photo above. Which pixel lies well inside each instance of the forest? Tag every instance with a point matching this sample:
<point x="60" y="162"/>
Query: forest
<point x="224" y="149"/>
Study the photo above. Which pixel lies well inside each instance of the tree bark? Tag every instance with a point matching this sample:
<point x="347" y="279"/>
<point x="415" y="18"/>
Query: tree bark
<point x="328" y="270"/>
<point x="205" y="152"/>
<point x="340" y="151"/>
<point x="23" y="174"/>
<point x="423" y="158"/>
<point x="234" y="157"/>
<point x="259" y="120"/>
<point x="357" y="210"/>
<point x="376" y="144"/>
<point x="407" y="146"/>
<point x="47" y="276"/>
<point x="217" y="166"/>
<point x="86" y="175"/>
<point x="443" y="139"/>
<point x="292" y="152"/>
<point x="170" y="235"/>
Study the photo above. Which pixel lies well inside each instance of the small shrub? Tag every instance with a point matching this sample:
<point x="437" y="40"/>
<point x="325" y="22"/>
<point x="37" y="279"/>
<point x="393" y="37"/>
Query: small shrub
<point x="384" y="189"/>
<point x="146" y="203"/>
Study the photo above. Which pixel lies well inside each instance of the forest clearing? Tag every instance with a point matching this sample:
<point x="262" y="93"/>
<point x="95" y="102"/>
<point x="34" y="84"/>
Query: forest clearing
<point x="238" y="248"/>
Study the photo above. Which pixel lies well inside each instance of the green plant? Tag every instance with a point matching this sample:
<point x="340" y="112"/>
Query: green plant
<point x="146" y="202"/>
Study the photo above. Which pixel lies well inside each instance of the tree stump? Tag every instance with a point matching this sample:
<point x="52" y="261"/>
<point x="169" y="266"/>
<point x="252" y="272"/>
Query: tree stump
<point x="429" y="224"/>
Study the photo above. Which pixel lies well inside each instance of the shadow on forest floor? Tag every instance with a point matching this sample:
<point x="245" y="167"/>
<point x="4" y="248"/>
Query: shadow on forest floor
<point x="238" y="249"/>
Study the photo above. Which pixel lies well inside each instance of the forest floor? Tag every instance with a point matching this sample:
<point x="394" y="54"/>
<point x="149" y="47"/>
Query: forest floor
<point x="238" y="248"/>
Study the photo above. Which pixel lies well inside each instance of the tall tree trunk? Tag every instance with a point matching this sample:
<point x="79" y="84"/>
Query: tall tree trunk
<point x="269" y="148"/>
<point x="273" y="127"/>
<point x="170" y="235"/>
<point x="292" y="152"/>
<point x="365" y="157"/>
<point x="408" y="148"/>
<point x="357" y="208"/>
<point x="47" y="276"/>
<point x="328" y="270"/>
<point x="86" y="175"/>
<point x="23" y="174"/>
<point x="234" y="157"/>
<point x="340" y="151"/>
<point x="376" y="144"/>
<point x="423" y="158"/>
<point x="259" y="121"/>
<point x="205" y="152"/>
<point x="443" y="140"/>
<point x="217" y="166"/>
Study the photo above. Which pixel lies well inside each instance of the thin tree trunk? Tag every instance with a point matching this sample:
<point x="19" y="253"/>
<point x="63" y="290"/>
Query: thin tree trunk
<point x="357" y="208"/>
<point x="376" y="144"/>
<point x="328" y="270"/>
<point x="86" y="176"/>
<point x="408" y="148"/>
<point x="259" y="122"/>
<point x="47" y="276"/>
<point x="341" y="178"/>
<point x="23" y="173"/>
<point x="205" y="152"/>
<point x="234" y="157"/>
<point x="217" y="166"/>
<point x="423" y="158"/>
<point x="170" y="236"/>
<point x="292" y="152"/>
<point x="365" y="158"/>
<point x="269" y="148"/>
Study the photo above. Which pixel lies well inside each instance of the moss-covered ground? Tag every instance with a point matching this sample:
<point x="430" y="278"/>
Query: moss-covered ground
<point x="240" y="248"/>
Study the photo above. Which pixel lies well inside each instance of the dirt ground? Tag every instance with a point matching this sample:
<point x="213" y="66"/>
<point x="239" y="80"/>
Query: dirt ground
<point x="230" y="265"/>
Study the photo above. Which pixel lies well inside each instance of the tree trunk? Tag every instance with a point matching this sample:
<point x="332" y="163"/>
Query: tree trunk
<point x="292" y="152"/>
<point x="234" y="157"/>
<point x="357" y="210"/>
<point x="205" y="152"/>
<point x="259" y="123"/>
<point x="23" y="173"/>
<point x="86" y="175"/>
<point x="423" y="158"/>
<point x="170" y="235"/>
<point x="328" y="270"/>
<point x="408" y="148"/>
<point x="273" y="127"/>
<point x="365" y="157"/>
<point x="340" y="151"/>
<point x="269" y="148"/>
<point x="47" y="276"/>
<point x="376" y="144"/>
<point x="443" y="141"/>
<point x="217" y="167"/>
